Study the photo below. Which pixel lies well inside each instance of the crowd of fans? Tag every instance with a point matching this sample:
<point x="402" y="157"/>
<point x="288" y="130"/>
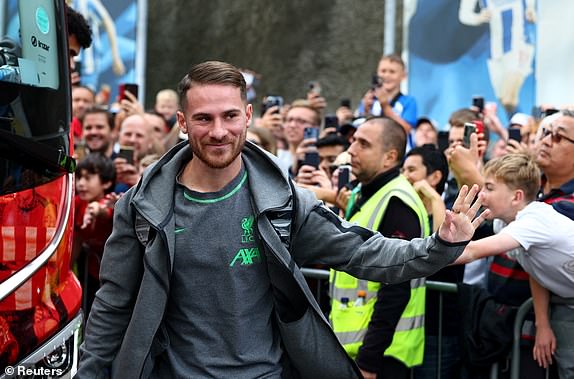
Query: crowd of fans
<point x="382" y="143"/>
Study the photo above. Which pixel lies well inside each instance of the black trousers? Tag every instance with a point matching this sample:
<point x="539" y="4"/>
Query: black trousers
<point x="393" y="369"/>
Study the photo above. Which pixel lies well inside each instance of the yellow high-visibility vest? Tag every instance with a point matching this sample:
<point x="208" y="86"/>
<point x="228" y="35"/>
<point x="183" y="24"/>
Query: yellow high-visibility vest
<point x="353" y="300"/>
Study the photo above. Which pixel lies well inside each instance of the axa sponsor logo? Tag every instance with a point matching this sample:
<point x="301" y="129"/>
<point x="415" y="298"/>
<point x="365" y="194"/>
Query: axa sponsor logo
<point x="246" y="256"/>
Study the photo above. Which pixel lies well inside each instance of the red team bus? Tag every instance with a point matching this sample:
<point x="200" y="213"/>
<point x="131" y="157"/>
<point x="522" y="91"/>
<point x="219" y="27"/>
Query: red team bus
<point x="40" y="298"/>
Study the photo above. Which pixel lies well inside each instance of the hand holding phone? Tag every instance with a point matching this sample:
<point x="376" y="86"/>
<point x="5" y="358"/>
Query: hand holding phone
<point x="127" y="153"/>
<point x="442" y="140"/>
<point x="312" y="159"/>
<point x="130" y="87"/>
<point x="271" y="101"/>
<point x="478" y="102"/>
<point x="315" y="87"/>
<point x="344" y="176"/>
<point x="376" y="82"/>
<point x="514" y="134"/>
<point x="479" y="125"/>
<point x="311" y="132"/>
<point x="331" y="121"/>
<point x="469" y="128"/>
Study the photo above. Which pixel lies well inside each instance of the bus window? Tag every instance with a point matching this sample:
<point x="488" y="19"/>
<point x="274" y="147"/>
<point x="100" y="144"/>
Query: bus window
<point x="30" y="56"/>
<point x="34" y="105"/>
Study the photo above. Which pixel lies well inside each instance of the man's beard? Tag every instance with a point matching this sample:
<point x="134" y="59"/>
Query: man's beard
<point x="102" y="149"/>
<point x="217" y="161"/>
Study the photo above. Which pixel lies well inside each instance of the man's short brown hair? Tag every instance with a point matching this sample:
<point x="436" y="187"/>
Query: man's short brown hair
<point x="458" y="118"/>
<point x="102" y="110"/>
<point x="211" y="72"/>
<point x="517" y="171"/>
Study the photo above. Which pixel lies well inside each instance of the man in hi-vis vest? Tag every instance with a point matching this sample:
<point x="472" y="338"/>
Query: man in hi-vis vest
<point x="381" y="326"/>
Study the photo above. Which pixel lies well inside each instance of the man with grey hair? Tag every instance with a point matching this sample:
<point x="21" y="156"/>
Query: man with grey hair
<point x="201" y="275"/>
<point x="554" y="157"/>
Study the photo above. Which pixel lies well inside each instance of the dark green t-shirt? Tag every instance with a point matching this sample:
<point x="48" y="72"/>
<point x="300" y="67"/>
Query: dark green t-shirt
<point x="219" y="316"/>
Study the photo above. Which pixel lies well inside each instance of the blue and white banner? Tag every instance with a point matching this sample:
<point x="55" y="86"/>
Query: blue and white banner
<point x="460" y="49"/>
<point x="114" y="55"/>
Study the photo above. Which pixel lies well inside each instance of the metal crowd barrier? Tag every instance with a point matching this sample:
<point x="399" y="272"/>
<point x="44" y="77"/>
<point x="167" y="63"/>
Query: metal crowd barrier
<point x="518" y="321"/>
<point x="443" y="287"/>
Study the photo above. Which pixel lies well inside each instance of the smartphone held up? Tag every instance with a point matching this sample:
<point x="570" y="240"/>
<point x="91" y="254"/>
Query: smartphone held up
<point x="311" y="132"/>
<point x="331" y="122"/>
<point x="376" y="82"/>
<point x="130" y="87"/>
<point x="442" y="140"/>
<point x="478" y="103"/>
<point x="344" y="176"/>
<point x="312" y="159"/>
<point x="314" y="87"/>
<point x="469" y="128"/>
<point x="514" y="134"/>
<point x="270" y="101"/>
<point x="127" y="153"/>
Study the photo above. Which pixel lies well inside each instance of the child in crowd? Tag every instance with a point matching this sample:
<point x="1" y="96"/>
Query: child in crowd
<point x="543" y="243"/>
<point x="166" y="104"/>
<point x="385" y="97"/>
<point x="95" y="177"/>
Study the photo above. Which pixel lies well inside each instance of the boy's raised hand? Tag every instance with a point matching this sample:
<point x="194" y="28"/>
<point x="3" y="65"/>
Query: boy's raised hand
<point x="460" y="222"/>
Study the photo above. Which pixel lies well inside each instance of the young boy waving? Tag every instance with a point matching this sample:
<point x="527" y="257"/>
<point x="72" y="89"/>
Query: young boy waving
<point x="542" y="241"/>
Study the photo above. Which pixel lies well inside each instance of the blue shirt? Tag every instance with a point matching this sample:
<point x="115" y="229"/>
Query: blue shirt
<point x="403" y="106"/>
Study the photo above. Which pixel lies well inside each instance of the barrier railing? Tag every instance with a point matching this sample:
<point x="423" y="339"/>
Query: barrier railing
<point x="518" y="321"/>
<point x="442" y="288"/>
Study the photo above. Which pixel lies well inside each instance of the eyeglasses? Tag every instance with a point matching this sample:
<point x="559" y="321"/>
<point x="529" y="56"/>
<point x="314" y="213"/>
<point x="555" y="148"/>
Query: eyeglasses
<point x="298" y="121"/>
<point x="556" y="138"/>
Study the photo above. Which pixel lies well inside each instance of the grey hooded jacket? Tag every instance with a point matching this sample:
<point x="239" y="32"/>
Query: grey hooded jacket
<point x="124" y="332"/>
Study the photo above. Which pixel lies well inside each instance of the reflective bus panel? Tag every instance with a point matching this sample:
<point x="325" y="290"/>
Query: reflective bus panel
<point x="39" y="295"/>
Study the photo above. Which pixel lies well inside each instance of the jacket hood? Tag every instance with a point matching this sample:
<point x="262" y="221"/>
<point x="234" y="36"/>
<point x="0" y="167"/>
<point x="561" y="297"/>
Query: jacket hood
<point x="153" y="195"/>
